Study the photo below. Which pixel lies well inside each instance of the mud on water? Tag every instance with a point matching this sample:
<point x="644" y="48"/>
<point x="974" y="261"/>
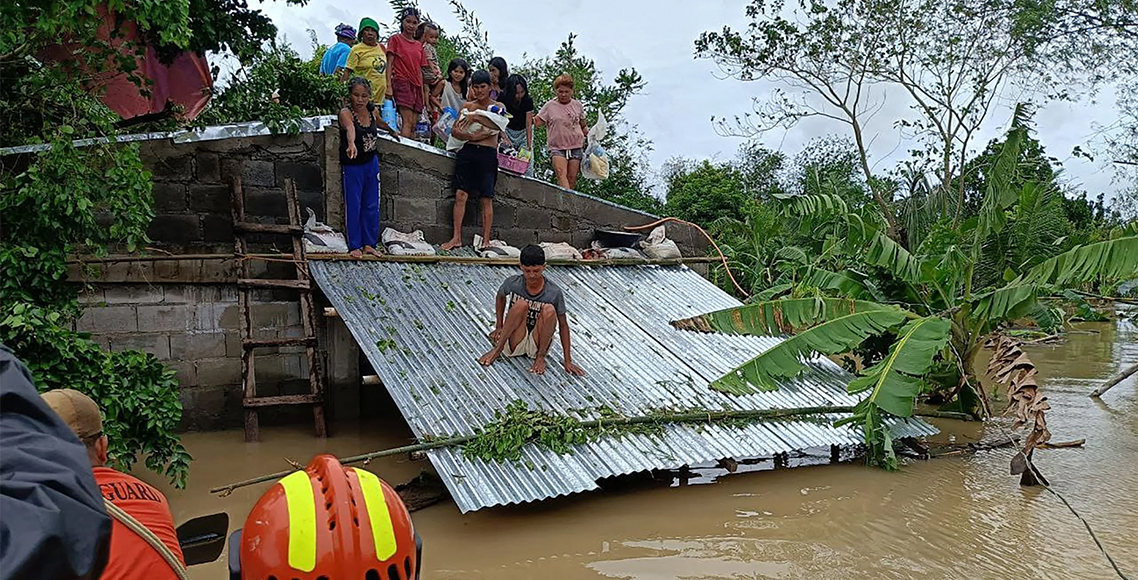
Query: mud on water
<point x="960" y="517"/>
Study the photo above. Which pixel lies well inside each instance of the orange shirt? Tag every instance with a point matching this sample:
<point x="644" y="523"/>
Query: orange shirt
<point x="131" y="557"/>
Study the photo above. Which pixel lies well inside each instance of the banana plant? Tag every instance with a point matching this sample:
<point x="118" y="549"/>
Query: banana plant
<point x="938" y="320"/>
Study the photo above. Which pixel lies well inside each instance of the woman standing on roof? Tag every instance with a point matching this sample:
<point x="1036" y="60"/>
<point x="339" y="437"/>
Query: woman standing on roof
<point x="368" y="59"/>
<point x="405" y="73"/>
<point x="520" y="107"/>
<point x="359" y="168"/>
<point x="499" y="72"/>
<point x="565" y="117"/>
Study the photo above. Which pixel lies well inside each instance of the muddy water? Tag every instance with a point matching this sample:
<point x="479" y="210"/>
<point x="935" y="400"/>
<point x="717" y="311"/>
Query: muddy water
<point x="961" y="517"/>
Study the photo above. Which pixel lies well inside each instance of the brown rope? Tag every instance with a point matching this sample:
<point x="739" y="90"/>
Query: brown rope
<point x="705" y="234"/>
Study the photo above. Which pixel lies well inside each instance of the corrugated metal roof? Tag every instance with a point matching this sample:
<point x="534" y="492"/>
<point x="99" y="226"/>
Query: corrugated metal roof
<point x="423" y="327"/>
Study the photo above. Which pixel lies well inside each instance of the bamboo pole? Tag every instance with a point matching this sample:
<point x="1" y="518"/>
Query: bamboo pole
<point x="694" y="417"/>
<point x="396" y="259"/>
<point x="1122" y="376"/>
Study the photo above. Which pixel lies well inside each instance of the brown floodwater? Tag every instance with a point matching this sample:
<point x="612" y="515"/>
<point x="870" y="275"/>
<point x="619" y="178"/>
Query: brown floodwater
<point x="958" y="517"/>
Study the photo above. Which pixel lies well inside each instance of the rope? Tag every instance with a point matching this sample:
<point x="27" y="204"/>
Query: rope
<point x="1043" y="482"/>
<point x="149" y="537"/>
<point x="722" y="258"/>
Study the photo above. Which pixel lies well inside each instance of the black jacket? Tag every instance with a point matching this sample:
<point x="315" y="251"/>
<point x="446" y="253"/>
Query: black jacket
<point x="52" y="522"/>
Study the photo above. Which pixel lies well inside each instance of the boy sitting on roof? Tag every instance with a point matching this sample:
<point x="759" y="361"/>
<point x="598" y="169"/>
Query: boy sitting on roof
<point x="536" y="308"/>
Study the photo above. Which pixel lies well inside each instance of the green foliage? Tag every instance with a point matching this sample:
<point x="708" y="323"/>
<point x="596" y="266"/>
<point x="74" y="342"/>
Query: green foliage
<point x="702" y="193"/>
<point x="518" y="425"/>
<point x="301" y="89"/>
<point x="70" y="200"/>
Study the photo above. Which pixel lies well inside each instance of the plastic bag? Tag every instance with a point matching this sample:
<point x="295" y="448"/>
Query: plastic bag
<point x="657" y="246"/>
<point x="320" y="238"/>
<point x="443" y="125"/>
<point x="596" y="164"/>
<point x="560" y="251"/>
<point x="495" y="248"/>
<point x="401" y="244"/>
<point x="598" y="251"/>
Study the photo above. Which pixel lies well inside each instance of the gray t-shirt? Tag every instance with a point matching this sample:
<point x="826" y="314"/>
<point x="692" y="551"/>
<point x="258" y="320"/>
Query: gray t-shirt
<point x="514" y="288"/>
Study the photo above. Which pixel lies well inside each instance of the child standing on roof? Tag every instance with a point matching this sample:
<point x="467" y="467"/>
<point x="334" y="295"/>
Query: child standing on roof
<point x="529" y="307"/>
<point x="405" y="73"/>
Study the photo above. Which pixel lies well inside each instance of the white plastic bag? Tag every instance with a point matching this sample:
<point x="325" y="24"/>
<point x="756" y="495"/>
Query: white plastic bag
<point x="596" y="164"/>
<point x="401" y="244"/>
<point x="495" y="249"/>
<point x="321" y="238"/>
<point x="560" y="251"/>
<point x="657" y="246"/>
<point x="492" y="121"/>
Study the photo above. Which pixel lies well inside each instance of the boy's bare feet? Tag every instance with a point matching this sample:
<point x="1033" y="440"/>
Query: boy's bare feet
<point x="538" y="367"/>
<point x="451" y="244"/>
<point x="373" y="251"/>
<point x="488" y="358"/>
<point x="356" y="254"/>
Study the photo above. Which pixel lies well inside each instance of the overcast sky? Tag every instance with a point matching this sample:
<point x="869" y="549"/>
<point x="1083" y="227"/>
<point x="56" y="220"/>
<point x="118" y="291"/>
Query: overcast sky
<point x="656" y="37"/>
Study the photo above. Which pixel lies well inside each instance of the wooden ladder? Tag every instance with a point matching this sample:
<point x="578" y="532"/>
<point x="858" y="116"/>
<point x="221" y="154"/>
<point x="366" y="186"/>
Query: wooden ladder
<point x="302" y="284"/>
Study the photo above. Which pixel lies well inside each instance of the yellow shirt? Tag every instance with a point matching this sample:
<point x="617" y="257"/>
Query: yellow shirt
<point x="370" y="62"/>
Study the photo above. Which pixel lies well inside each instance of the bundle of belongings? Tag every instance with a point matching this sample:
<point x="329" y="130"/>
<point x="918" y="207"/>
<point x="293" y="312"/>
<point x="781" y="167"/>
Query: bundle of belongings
<point x="401" y="244"/>
<point x="321" y="238"/>
<point x="495" y="248"/>
<point x="596" y="164"/>
<point x="657" y="246"/>
<point x="598" y="251"/>
<point x="492" y="120"/>
<point x="560" y="251"/>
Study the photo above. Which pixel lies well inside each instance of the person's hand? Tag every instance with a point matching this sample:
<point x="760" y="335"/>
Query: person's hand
<point x="538" y="367"/>
<point x="352" y="152"/>
<point x="495" y="335"/>
<point x="394" y="134"/>
<point x="574" y="369"/>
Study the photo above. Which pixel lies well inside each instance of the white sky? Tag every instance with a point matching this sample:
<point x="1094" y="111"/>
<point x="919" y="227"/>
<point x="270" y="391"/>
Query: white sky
<point x="657" y="38"/>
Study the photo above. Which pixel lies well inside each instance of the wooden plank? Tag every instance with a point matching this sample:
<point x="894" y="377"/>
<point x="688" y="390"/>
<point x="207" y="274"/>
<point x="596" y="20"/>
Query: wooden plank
<point x="281" y="400"/>
<point x="259" y="283"/>
<point x="249" y="343"/>
<point x="255" y="228"/>
<point x="508" y="261"/>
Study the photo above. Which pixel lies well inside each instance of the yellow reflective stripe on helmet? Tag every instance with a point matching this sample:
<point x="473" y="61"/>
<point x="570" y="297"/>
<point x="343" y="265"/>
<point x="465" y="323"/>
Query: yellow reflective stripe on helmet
<point x="382" y="529"/>
<point x="301" y="521"/>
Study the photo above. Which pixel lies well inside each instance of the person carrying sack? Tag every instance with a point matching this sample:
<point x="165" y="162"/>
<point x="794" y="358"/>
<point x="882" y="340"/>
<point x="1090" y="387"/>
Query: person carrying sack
<point x="144" y="543"/>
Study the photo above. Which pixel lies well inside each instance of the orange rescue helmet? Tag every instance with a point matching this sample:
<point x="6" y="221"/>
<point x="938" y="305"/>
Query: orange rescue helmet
<point x="329" y="522"/>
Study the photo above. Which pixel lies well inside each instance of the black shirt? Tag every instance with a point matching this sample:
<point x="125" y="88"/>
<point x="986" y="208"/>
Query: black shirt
<point x="518" y="112"/>
<point x="366" y="140"/>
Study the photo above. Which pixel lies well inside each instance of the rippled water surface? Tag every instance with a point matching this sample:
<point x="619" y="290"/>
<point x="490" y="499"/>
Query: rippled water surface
<point x="960" y="517"/>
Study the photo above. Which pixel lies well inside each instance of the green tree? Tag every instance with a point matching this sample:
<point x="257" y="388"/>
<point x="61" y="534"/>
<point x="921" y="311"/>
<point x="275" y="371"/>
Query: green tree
<point x="941" y="314"/>
<point x="301" y="90"/>
<point x="84" y="200"/>
<point x="704" y="192"/>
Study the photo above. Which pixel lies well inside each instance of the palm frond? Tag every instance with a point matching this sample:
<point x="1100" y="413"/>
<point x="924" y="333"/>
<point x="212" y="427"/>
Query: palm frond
<point x="894" y="383"/>
<point x="785" y="360"/>
<point x="883" y="251"/>
<point x="1009" y="302"/>
<point x="815" y="204"/>
<point x="840" y="282"/>
<point x="775" y="317"/>
<point x="1110" y="260"/>
<point x="770" y="293"/>
<point x="792" y="254"/>
<point x="999" y="194"/>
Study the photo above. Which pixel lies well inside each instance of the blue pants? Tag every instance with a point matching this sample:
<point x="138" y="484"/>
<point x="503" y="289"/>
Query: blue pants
<point x="361" y="201"/>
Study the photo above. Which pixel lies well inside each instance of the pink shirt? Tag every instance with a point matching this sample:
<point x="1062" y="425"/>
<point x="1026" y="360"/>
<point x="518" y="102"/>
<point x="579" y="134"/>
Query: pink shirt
<point x="564" y="124"/>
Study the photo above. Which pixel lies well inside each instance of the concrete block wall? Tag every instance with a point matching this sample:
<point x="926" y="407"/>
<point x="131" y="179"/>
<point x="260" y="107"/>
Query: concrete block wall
<point x="194" y="329"/>
<point x="184" y="310"/>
